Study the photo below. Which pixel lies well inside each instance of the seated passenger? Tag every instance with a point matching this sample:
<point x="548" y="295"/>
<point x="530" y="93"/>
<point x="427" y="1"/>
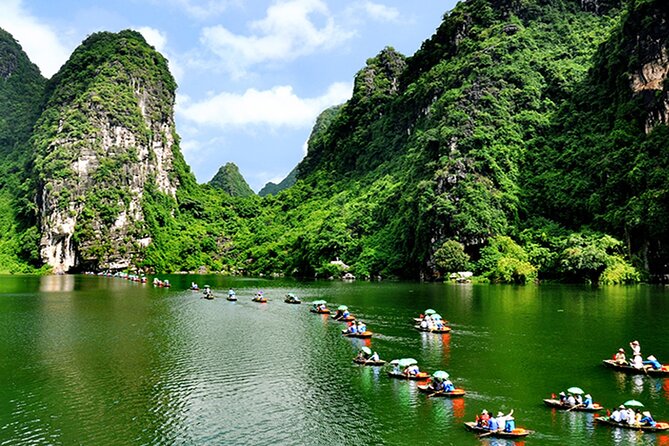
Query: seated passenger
<point x="571" y="401"/>
<point x="620" y="358"/>
<point x="412" y="370"/>
<point x="587" y="402"/>
<point x="447" y="386"/>
<point x="374" y="357"/>
<point x="351" y="328"/>
<point x="616" y="415"/>
<point x="493" y="425"/>
<point x="647" y="419"/>
<point x="637" y="363"/>
<point x="361" y="327"/>
<point x="652" y="363"/>
<point x="484" y="419"/>
<point x="510" y="424"/>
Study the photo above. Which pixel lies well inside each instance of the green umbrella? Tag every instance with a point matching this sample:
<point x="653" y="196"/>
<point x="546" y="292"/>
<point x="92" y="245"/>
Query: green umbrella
<point x="394" y="361"/>
<point x="342" y="307"/>
<point x="436" y="316"/>
<point x="575" y="390"/>
<point x="441" y="374"/>
<point x="633" y="403"/>
<point x="366" y="350"/>
<point x="319" y="302"/>
<point x="405" y="362"/>
<point x="429" y="311"/>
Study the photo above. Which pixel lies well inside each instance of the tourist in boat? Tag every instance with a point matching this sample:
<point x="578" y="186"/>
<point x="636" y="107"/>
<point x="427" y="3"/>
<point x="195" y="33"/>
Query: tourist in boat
<point x="579" y="399"/>
<point x="493" y="424"/>
<point x="637" y="362"/>
<point x="345" y="314"/>
<point x="617" y="414"/>
<point x="411" y="370"/>
<point x="563" y="398"/>
<point x="362" y="356"/>
<point x="351" y="328"/>
<point x="361" y="327"/>
<point x="502" y="419"/>
<point x="630" y="416"/>
<point x="571" y="401"/>
<point x="651" y="362"/>
<point x="587" y="402"/>
<point x="647" y="419"/>
<point x="231" y="292"/>
<point x="636" y="348"/>
<point x="423" y="324"/>
<point x="510" y="424"/>
<point x="447" y="386"/>
<point x="374" y="357"/>
<point x="620" y="358"/>
<point x="484" y="419"/>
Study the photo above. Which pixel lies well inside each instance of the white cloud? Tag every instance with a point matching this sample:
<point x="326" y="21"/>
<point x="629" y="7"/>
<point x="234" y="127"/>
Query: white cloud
<point x="203" y="10"/>
<point x="288" y="31"/>
<point x="277" y="107"/>
<point x="37" y="39"/>
<point x="154" y="37"/>
<point x="380" y="12"/>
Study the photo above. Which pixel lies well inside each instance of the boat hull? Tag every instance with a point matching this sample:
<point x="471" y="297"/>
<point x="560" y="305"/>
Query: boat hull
<point x="659" y="426"/>
<point x="422" y="376"/>
<point x="555" y="404"/>
<point x="516" y="433"/>
<point x="664" y="371"/>
<point x="434" y="330"/>
<point x="452" y="394"/>
<point x="369" y="363"/>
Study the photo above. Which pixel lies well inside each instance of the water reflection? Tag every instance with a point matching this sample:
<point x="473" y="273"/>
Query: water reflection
<point x="52" y="284"/>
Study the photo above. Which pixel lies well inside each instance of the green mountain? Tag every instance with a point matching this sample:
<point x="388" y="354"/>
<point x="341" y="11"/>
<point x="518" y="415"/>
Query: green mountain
<point x="104" y="144"/>
<point x="273" y="188"/>
<point x="228" y="179"/>
<point x="21" y="90"/>
<point x="524" y="140"/>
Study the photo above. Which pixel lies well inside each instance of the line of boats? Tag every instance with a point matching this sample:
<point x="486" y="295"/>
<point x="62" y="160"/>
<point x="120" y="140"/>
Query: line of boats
<point x="437" y="384"/>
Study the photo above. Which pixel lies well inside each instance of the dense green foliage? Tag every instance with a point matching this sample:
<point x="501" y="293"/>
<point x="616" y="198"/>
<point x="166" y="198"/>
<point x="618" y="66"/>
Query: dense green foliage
<point x="229" y="179"/>
<point x="21" y="89"/>
<point x="273" y="188"/>
<point x="515" y="142"/>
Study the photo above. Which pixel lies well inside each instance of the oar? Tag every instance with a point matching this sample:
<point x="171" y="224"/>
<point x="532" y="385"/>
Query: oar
<point x="438" y="392"/>
<point x="575" y="406"/>
<point x="486" y="434"/>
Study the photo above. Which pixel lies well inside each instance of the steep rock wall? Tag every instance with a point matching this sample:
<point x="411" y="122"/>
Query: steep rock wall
<point x="106" y="135"/>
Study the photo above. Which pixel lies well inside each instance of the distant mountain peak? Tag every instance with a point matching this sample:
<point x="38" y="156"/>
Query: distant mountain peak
<point x="229" y="179"/>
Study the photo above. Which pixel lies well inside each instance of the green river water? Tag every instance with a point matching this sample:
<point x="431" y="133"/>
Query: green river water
<point x="103" y="361"/>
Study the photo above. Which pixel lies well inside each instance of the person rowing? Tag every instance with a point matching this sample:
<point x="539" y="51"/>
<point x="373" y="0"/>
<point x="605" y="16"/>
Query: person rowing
<point x="636" y="348"/>
<point x="361" y="327"/>
<point x="374" y="357"/>
<point x="483" y="420"/>
<point x="447" y="386"/>
<point x="231" y="292"/>
<point x="351" y="328"/>
<point x="363" y="356"/>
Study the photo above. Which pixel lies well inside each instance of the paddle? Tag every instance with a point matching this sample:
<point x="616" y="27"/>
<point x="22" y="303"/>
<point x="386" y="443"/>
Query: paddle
<point x="575" y="406"/>
<point x="438" y="392"/>
<point x="486" y="434"/>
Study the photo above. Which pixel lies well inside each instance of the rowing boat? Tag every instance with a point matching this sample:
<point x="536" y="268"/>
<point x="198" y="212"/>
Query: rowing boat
<point x="556" y="404"/>
<point x="344" y="319"/>
<point x="516" y="433"/>
<point x="664" y="371"/>
<point x="433" y="330"/>
<point x="452" y="394"/>
<point x="231" y="298"/>
<point x="368" y="362"/>
<point x="262" y="300"/>
<point x="326" y="311"/>
<point x="363" y="335"/>
<point x="292" y="301"/>
<point x="422" y="376"/>
<point x="659" y="426"/>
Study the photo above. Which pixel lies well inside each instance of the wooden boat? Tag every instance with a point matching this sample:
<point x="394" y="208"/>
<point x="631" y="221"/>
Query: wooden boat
<point x="516" y="433"/>
<point x="556" y="404"/>
<point x="367" y="362"/>
<point x="232" y="298"/>
<point x="262" y="300"/>
<point x="664" y="371"/>
<point x="659" y="426"/>
<point x="326" y="311"/>
<point x="364" y="335"/>
<point x="292" y="301"/>
<point x="434" y="330"/>
<point x="452" y="394"/>
<point x="349" y="318"/>
<point x="422" y="376"/>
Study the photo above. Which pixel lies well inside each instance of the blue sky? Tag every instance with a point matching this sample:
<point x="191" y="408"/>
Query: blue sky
<point x="252" y="75"/>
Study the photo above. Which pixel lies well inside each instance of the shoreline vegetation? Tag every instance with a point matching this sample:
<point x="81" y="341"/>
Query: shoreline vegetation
<point x="522" y="142"/>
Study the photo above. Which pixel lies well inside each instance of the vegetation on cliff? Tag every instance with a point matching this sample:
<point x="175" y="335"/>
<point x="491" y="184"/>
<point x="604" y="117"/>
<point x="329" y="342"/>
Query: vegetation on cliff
<point x="228" y="179"/>
<point x="524" y="140"/>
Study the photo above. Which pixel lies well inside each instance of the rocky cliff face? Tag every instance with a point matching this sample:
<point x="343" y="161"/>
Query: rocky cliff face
<point x="106" y="136"/>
